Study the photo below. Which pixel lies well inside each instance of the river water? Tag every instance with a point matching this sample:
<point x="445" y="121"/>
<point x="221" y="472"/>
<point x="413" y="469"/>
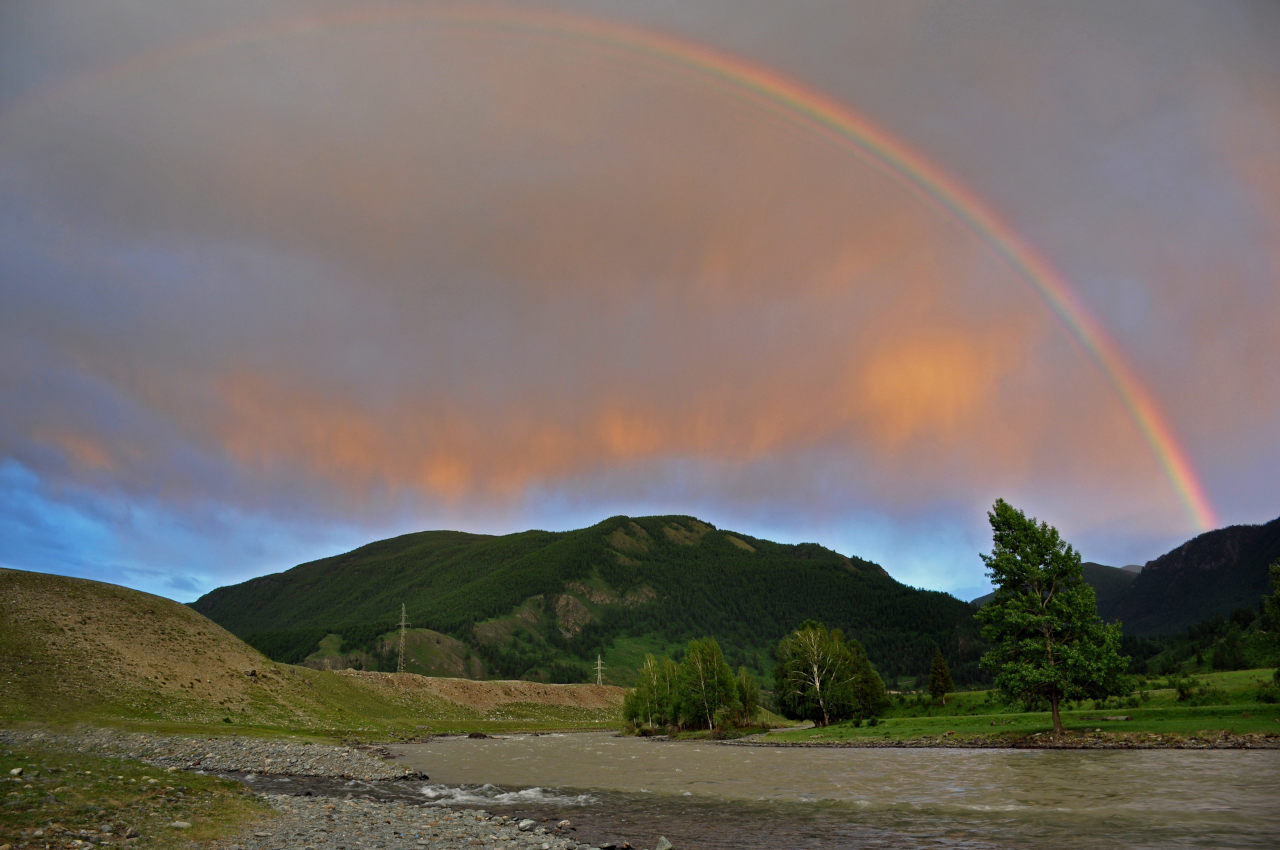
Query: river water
<point x="711" y="796"/>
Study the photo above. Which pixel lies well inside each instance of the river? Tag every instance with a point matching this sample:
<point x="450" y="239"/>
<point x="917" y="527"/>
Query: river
<point x="710" y="796"/>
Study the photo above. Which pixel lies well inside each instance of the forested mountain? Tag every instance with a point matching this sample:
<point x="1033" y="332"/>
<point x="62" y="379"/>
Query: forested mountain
<point x="544" y="604"/>
<point x="1207" y="577"/>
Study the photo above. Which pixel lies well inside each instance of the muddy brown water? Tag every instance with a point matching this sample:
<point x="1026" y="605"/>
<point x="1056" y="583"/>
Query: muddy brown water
<point x="705" y="796"/>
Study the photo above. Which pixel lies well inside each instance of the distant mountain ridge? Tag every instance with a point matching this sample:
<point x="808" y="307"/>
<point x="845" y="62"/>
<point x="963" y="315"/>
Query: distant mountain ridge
<point x="544" y="605"/>
<point x="1209" y="576"/>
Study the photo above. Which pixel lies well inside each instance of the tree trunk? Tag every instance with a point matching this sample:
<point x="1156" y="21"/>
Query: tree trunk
<point x="1057" y="718"/>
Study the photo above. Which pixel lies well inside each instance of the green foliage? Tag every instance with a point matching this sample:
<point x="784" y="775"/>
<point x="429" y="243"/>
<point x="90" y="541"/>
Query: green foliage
<point x="748" y="696"/>
<point x="821" y="677"/>
<point x="1229" y="654"/>
<point x="699" y="692"/>
<point x="1271" y="602"/>
<point x="1048" y="642"/>
<point x="1243" y="640"/>
<point x="1237" y="702"/>
<point x="653" y="703"/>
<point x="708" y="691"/>
<point x="288" y="647"/>
<point x="940" y="683"/>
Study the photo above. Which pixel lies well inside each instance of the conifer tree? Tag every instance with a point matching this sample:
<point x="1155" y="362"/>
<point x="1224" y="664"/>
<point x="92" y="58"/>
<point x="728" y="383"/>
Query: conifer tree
<point x="940" y="683"/>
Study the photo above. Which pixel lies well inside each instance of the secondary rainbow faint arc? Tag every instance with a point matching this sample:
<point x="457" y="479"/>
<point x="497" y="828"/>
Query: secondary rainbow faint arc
<point x="818" y="110"/>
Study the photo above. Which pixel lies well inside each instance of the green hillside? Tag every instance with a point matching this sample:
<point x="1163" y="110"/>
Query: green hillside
<point x="1109" y="585"/>
<point x="1208" y="577"/>
<point x="543" y="605"/>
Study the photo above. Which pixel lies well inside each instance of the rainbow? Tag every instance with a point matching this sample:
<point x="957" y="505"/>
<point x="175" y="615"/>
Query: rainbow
<point x="816" y="110"/>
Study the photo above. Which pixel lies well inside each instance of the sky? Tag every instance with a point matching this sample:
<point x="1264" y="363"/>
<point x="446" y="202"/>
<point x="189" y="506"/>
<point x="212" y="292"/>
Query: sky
<point x="278" y="280"/>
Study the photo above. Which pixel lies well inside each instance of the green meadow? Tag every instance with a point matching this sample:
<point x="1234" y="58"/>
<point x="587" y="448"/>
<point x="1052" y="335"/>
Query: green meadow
<point x="1159" y="710"/>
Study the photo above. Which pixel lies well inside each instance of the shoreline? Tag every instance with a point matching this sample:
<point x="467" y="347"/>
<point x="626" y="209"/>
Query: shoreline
<point x="1039" y="741"/>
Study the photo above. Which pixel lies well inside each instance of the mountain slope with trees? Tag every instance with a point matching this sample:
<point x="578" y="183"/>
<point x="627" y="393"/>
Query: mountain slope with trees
<point x="1208" y="577"/>
<point x="545" y="605"/>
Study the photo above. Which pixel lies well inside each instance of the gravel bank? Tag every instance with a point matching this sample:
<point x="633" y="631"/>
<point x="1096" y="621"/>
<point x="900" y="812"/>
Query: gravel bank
<point x="319" y="823"/>
<point x="229" y="753"/>
<point x="326" y="824"/>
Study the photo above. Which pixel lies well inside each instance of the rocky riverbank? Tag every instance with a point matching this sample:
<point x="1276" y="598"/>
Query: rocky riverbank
<point x="318" y="822"/>
<point x="226" y="754"/>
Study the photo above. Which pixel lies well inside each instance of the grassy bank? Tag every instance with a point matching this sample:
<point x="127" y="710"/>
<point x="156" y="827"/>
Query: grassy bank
<point x="64" y="799"/>
<point x="1237" y="703"/>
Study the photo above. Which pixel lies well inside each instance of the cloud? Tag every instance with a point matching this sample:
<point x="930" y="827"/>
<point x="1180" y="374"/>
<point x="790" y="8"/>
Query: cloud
<point x="384" y="275"/>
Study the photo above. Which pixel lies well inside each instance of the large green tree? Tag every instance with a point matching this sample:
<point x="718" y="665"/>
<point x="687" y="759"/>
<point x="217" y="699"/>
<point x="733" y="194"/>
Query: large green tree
<point x="940" y="683"/>
<point x="1271" y="602"/>
<point x="822" y="678"/>
<point x="653" y="700"/>
<point x="748" y="697"/>
<point x="1048" y="642"/>
<point x="708" y="690"/>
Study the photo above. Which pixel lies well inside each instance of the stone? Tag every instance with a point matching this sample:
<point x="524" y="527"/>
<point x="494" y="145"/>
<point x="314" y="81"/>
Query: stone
<point x="526" y="825"/>
<point x="663" y="844"/>
<point x="180" y="824"/>
<point x="17" y="771"/>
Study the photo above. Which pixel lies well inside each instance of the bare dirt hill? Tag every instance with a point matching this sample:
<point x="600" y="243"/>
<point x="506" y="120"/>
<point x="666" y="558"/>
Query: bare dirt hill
<point x="72" y="649"/>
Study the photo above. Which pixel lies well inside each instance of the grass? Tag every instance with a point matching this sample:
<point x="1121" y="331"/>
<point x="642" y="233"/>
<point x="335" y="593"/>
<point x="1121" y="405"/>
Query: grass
<point x="64" y="799"/>
<point x="1207" y="707"/>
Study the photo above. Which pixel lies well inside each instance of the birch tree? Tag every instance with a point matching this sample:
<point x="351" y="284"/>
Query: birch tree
<point x="813" y="678"/>
<point x="707" y="687"/>
<point x="821" y="677"/>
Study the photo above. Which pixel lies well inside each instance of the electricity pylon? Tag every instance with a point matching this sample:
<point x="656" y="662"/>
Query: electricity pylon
<point x="403" y="623"/>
